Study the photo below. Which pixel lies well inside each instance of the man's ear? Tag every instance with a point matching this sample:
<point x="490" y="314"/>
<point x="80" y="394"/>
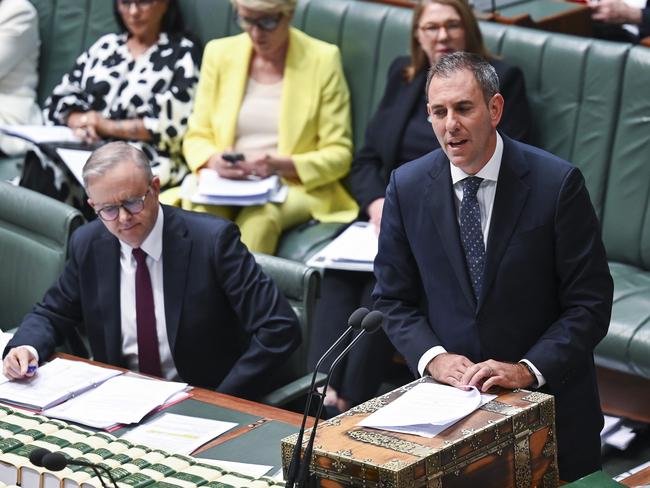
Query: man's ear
<point x="495" y="106"/>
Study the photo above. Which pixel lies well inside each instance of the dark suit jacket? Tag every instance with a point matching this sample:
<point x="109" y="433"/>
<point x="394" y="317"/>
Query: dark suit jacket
<point x="227" y="323"/>
<point x="547" y="291"/>
<point x="379" y="155"/>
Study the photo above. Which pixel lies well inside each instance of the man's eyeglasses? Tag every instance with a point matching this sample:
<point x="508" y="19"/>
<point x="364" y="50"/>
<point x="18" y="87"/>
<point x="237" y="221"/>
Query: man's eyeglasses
<point x="452" y="27"/>
<point x="143" y="4"/>
<point x="132" y="205"/>
<point x="267" y="23"/>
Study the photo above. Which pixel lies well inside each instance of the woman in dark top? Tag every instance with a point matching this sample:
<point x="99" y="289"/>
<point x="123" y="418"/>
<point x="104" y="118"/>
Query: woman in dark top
<point x="399" y="132"/>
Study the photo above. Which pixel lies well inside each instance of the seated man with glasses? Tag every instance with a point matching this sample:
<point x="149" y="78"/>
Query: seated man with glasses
<point x="159" y="290"/>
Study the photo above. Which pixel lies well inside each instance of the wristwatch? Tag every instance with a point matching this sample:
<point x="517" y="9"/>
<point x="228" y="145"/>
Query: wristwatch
<point x="532" y="373"/>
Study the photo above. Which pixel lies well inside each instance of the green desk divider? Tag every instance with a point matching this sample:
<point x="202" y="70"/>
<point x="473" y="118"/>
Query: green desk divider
<point x="259" y="446"/>
<point x="195" y="408"/>
<point x="599" y="479"/>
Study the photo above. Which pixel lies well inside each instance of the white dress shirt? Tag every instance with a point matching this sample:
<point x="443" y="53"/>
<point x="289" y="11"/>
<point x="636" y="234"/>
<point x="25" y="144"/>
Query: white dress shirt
<point x="485" y="196"/>
<point x="152" y="245"/>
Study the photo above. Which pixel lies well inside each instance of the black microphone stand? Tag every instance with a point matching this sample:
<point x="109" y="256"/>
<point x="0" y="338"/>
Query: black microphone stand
<point x="354" y="323"/>
<point x="371" y="323"/>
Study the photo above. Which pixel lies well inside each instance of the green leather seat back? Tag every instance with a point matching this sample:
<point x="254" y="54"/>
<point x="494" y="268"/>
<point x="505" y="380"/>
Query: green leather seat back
<point x="300" y="285"/>
<point x="34" y="233"/>
<point x="67" y="27"/>
<point x="208" y="19"/>
<point x="370" y="36"/>
<point x="573" y="87"/>
<point x="626" y="223"/>
<point x="626" y="346"/>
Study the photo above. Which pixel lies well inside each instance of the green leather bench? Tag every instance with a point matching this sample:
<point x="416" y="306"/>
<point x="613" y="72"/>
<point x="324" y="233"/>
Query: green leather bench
<point x="588" y="98"/>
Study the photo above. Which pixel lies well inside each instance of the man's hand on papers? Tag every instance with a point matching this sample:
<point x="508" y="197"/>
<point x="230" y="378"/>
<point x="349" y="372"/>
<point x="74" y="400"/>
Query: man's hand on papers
<point x="491" y="373"/>
<point x="19" y="363"/>
<point x="449" y="368"/>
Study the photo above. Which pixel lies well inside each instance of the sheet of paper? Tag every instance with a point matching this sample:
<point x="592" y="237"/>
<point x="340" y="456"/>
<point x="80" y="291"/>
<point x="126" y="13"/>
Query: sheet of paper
<point x="210" y="183"/>
<point x="426" y="409"/>
<point x="75" y="159"/>
<point x="234" y="193"/>
<point x="41" y="133"/>
<point x="178" y="433"/>
<point x="354" y="249"/>
<point x="123" y="400"/>
<point x="254" y="470"/>
<point x="55" y="381"/>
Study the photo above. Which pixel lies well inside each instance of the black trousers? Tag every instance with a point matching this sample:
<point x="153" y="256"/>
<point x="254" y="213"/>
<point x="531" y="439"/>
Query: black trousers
<point x="358" y="377"/>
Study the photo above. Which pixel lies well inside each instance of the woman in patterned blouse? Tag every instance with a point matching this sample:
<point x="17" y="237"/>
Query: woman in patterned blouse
<point x="135" y="85"/>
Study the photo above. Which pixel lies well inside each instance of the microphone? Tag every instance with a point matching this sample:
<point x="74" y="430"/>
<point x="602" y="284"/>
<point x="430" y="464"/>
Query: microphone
<point x="36" y="456"/>
<point x="354" y="323"/>
<point x="55" y="461"/>
<point x="370" y="323"/>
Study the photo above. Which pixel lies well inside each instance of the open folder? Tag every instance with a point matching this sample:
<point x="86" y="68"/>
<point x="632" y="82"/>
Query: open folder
<point x="90" y="395"/>
<point x="353" y="250"/>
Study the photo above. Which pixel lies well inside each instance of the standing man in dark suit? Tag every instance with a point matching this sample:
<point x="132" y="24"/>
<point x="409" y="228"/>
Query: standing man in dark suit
<point x="491" y="270"/>
<point x="160" y="290"/>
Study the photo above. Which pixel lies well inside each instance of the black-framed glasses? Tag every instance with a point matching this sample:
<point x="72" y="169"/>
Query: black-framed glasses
<point x="144" y="4"/>
<point x="267" y="23"/>
<point x="133" y="205"/>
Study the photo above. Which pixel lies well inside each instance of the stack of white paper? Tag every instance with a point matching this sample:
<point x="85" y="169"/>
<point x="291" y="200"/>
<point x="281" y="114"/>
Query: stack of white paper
<point x="353" y="250"/>
<point x="123" y="400"/>
<point x="211" y="189"/>
<point x="427" y="409"/>
<point x="178" y="433"/>
<point x="54" y="382"/>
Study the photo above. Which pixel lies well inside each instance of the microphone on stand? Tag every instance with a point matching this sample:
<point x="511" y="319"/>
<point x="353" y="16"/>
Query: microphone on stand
<point x="55" y="461"/>
<point x="371" y="322"/>
<point x="354" y="323"/>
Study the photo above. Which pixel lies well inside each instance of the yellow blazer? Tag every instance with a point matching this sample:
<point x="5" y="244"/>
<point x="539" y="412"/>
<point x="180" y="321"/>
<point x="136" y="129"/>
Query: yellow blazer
<point x="314" y="127"/>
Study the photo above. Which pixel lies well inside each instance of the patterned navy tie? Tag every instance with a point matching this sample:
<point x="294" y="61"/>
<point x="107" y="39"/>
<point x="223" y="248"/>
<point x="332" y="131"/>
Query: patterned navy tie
<point x="148" y="354"/>
<point x="471" y="235"/>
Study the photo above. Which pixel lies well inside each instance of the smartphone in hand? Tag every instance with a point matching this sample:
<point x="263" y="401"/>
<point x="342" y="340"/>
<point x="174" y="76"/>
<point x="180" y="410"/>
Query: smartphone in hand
<point x="232" y="157"/>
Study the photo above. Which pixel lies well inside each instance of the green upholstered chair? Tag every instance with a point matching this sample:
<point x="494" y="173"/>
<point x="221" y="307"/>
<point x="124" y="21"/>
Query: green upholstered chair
<point x="300" y="285"/>
<point x="34" y="234"/>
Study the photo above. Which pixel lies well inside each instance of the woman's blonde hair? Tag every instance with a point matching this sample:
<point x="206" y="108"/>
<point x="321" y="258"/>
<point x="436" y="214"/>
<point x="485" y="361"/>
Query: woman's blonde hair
<point x="284" y="6"/>
<point x="473" y="37"/>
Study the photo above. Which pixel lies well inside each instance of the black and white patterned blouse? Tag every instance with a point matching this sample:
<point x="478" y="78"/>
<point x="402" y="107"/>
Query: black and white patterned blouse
<point x="157" y="86"/>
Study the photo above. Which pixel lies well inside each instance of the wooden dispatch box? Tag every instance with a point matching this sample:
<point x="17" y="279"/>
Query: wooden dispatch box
<point x="508" y="442"/>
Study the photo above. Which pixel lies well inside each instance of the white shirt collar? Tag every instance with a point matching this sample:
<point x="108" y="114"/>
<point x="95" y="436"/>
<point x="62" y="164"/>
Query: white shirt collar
<point x="488" y="172"/>
<point x="152" y="245"/>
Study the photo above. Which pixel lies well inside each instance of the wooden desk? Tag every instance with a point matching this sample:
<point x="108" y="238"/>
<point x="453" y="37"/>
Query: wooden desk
<point x="266" y="412"/>
<point x="638" y="479"/>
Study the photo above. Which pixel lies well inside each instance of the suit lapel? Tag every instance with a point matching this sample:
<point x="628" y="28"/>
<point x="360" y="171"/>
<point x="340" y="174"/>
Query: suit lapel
<point x="444" y="218"/>
<point x="107" y="250"/>
<point x="176" y="257"/>
<point x="235" y="81"/>
<point x="298" y="97"/>
<point x="509" y="201"/>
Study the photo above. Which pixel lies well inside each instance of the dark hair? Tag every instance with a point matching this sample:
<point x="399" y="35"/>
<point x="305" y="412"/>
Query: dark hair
<point x="172" y="21"/>
<point x="484" y="73"/>
<point x="473" y="37"/>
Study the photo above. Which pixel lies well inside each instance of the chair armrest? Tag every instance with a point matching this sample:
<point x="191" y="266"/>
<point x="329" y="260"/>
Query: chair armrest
<point x="297" y="388"/>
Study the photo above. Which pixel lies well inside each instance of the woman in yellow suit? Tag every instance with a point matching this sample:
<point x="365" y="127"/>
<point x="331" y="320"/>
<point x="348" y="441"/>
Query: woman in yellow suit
<point x="280" y="98"/>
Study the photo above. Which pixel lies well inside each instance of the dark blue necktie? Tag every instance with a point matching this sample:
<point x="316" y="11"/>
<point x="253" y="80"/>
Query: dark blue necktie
<point x="471" y="235"/>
